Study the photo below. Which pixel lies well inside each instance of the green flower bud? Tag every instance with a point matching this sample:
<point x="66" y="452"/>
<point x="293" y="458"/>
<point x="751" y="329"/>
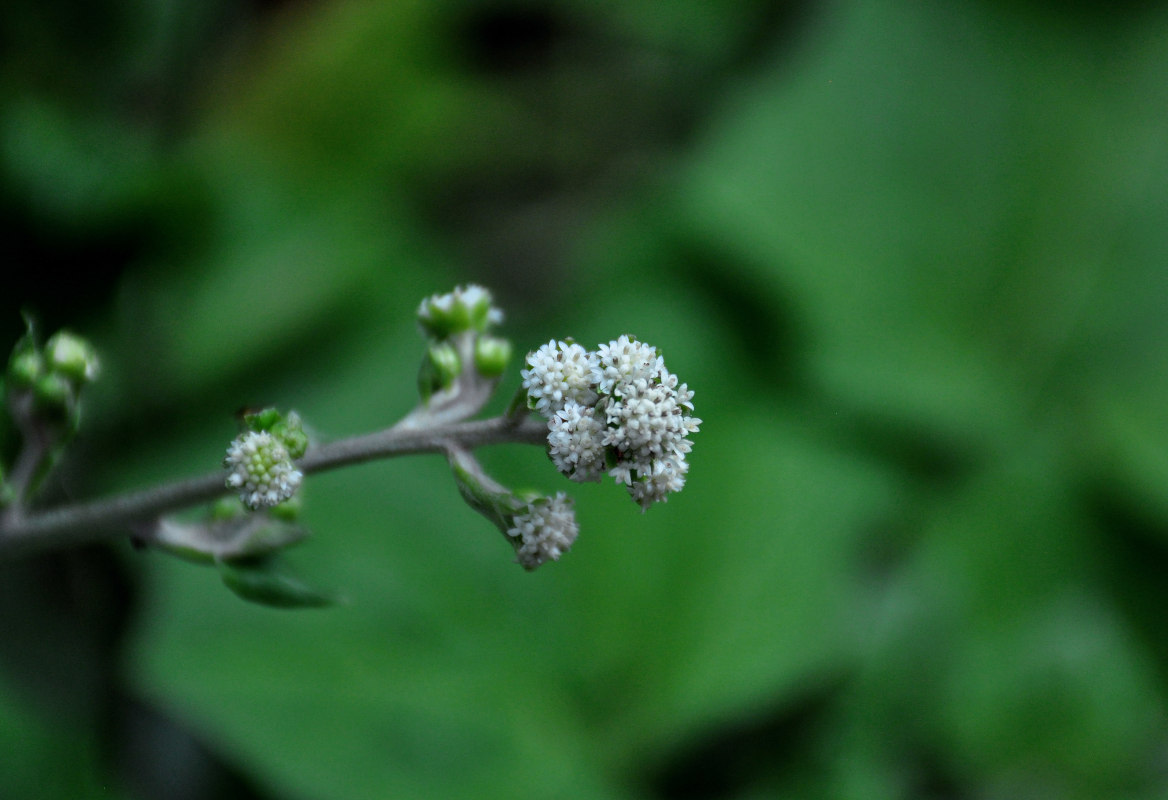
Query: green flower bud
<point x="466" y="308"/>
<point x="441" y="366"/>
<point x="25" y="367"/>
<point x="72" y="356"/>
<point x="225" y="509"/>
<point x="263" y="419"/>
<point x="491" y="355"/>
<point x="290" y="431"/>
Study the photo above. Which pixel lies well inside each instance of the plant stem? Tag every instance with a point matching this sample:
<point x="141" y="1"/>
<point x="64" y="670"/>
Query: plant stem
<point x="84" y="523"/>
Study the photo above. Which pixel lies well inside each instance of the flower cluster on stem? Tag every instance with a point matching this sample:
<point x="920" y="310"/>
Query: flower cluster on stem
<point x="616" y="409"/>
<point x="540" y="528"/>
<point x="259" y="466"/>
<point x="544" y="530"/>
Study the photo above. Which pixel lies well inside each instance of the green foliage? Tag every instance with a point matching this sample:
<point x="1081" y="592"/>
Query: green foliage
<point x="266" y="583"/>
<point x="912" y="264"/>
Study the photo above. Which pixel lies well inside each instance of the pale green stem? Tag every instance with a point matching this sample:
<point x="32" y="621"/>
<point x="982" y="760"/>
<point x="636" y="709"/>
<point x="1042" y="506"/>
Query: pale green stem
<point x="99" y="520"/>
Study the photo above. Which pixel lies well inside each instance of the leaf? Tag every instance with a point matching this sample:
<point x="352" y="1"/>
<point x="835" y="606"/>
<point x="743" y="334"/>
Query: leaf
<point x="267" y="583"/>
<point x="245" y="536"/>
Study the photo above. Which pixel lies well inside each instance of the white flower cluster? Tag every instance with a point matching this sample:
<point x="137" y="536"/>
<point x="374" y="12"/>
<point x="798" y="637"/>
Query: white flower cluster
<point x="261" y="469"/>
<point x="559" y="372"/>
<point x="545" y="530"/>
<point x="616" y="409"/>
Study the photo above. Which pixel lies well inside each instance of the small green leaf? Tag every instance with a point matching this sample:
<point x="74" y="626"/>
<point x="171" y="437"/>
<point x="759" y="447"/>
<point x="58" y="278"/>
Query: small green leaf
<point x="265" y="583"/>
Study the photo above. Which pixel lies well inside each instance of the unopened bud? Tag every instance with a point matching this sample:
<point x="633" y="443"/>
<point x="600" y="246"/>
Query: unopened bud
<point x="491" y="355"/>
<point x="72" y="356"/>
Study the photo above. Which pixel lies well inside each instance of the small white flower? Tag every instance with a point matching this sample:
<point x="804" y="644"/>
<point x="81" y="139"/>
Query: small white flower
<point x="622" y="473"/>
<point x="546" y="530"/>
<point x="260" y="467"/>
<point x="558" y="372"/>
<point x="576" y="442"/>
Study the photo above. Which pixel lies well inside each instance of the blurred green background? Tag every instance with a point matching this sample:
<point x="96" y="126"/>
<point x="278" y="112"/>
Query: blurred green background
<point x="911" y="256"/>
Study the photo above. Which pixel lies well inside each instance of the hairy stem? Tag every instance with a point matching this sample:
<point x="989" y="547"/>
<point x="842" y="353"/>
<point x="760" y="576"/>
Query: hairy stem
<point x="83" y="523"/>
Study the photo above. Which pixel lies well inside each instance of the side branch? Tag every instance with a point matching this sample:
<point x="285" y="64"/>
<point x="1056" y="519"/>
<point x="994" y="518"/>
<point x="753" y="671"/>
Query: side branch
<point x="84" y="523"/>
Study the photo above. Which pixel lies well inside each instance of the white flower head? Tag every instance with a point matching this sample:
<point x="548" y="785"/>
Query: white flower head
<point x="544" y="531"/>
<point x="648" y="419"/>
<point x="576" y="442"/>
<point x="558" y="372"/>
<point x="260" y="467"/>
<point x="616" y="409"/>
<point x="647" y="423"/>
<point x="624" y="361"/>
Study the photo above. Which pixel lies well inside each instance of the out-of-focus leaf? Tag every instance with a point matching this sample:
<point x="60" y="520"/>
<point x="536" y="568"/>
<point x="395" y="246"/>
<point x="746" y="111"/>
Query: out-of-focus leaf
<point x="268" y="583"/>
<point x="927" y="185"/>
<point x="996" y="652"/>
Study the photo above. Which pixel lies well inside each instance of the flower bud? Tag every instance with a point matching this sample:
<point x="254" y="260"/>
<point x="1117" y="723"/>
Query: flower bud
<point x="72" y="356"/>
<point x="491" y="355"/>
<point x="25" y="367"/>
<point x="440" y="368"/>
<point x="466" y="308"/>
<point x="290" y="432"/>
<point x="225" y="509"/>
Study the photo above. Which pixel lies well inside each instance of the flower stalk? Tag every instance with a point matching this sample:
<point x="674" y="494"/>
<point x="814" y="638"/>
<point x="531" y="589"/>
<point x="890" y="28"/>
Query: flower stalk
<point x="100" y="520"/>
<point x="614" y="410"/>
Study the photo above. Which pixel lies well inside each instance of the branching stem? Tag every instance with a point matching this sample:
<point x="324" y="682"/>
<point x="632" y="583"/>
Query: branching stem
<point x="84" y="523"/>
